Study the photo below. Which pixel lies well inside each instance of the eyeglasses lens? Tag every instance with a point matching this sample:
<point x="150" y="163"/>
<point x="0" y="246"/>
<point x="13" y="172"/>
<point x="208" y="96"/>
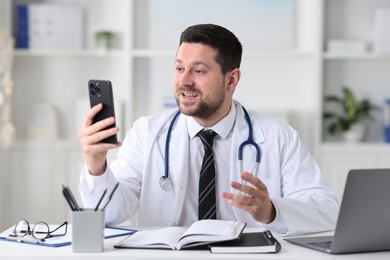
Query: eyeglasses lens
<point x="22" y="228"/>
<point x="40" y="231"/>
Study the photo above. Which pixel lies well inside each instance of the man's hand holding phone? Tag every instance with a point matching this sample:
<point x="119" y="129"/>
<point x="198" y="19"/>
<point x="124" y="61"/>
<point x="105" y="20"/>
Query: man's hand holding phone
<point x="91" y="134"/>
<point x="99" y="130"/>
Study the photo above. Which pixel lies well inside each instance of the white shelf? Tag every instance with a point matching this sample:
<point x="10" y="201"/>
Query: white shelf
<point x="278" y="54"/>
<point x="71" y="53"/>
<point x="146" y="53"/>
<point x="351" y="56"/>
<point x="45" y="145"/>
<point x="362" y="147"/>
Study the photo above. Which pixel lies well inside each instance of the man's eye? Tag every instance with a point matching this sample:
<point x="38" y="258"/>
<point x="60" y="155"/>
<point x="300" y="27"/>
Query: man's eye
<point x="199" y="72"/>
<point x="179" y="69"/>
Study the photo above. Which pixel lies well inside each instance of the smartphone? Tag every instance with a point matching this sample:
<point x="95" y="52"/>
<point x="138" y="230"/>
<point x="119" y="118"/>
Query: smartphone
<point x="100" y="91"/>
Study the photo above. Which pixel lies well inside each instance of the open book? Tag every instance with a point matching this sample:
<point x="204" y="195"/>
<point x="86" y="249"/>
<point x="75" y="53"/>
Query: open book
<point x="202" y="232"/>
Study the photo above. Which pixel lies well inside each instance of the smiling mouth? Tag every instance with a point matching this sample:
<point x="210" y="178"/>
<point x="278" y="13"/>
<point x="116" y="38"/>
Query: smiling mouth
<point x="189" y="95"/>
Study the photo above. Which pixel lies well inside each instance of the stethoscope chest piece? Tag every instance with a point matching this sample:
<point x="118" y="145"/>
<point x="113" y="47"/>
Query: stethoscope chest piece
<point x="166" y="183"/>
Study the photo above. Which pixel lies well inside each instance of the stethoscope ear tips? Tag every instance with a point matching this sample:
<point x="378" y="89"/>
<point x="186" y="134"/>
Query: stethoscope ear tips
<point x="165" y="183"/>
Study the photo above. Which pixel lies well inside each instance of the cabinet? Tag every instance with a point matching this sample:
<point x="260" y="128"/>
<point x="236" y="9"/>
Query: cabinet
<point x="337" y="160"/>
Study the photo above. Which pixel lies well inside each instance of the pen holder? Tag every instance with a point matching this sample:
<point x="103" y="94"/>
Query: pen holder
<point x="87" y="230"/>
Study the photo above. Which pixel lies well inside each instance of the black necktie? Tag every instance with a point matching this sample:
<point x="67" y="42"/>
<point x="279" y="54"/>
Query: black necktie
<point x="207" y="206"/>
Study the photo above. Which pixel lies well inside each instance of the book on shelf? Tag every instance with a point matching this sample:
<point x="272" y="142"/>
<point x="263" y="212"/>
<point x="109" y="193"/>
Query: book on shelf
<point x="21" y="34"/>
<point x="202" y="232"/>
<point x="254" y="242"/>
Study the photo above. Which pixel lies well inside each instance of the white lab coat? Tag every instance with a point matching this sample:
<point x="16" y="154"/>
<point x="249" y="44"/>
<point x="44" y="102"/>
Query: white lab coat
<point x="303" y="202"/>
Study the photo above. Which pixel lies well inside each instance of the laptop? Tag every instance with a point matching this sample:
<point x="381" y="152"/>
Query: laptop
<point x="363" y="224"/>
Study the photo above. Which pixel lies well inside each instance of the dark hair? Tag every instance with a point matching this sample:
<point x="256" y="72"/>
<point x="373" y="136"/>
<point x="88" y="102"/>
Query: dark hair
<point x="228" y="47"/>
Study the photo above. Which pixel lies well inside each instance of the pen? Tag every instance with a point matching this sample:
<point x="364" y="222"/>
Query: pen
<point x="70" y="198"/>
<point x="110" y="197"/>
<point x="101" y="198"/>
<point x="73" y="199"/>
<point x="67" y="198"/>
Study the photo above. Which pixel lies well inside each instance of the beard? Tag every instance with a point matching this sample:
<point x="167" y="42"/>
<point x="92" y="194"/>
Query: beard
<point x="206" y="107"/>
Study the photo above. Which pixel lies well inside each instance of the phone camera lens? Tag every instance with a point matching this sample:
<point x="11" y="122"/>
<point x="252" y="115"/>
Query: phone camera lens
<point x="97" y="88"/>
<point x="94" y="88"/>
<point x="91" y="89"/>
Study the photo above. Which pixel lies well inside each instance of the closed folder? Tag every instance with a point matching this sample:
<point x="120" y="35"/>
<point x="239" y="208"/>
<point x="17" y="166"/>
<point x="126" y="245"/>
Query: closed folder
<point x="256" y="242"/>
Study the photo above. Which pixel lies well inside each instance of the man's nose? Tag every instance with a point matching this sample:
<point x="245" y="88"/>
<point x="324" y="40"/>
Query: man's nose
<point x="186" y="79"/>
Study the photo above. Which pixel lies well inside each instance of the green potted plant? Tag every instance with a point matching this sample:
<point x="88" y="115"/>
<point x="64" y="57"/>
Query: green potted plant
<point x="349" y="119"/>
<point x="104" y="39"/>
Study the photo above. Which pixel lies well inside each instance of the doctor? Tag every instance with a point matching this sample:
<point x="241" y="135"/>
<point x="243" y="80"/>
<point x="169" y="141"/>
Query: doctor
<point x="285" y="193"/>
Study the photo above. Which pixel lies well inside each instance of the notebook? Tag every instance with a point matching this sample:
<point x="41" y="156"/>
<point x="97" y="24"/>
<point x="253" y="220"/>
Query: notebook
<point x="363" y="224"/>
<point x="254" y="242"/>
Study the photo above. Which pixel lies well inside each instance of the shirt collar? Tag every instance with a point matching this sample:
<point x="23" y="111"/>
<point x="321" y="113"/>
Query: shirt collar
<point x="222" y="128"/>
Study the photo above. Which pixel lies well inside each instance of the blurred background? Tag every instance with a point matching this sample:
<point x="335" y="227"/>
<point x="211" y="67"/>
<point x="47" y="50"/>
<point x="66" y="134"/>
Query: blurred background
<point x="297" y="54"/>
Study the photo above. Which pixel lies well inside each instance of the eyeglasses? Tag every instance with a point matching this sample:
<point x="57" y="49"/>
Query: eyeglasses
<point x="40" y="230"/>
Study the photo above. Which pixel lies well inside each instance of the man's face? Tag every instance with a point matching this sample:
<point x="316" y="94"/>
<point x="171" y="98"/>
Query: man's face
<point x="199" y="85"/>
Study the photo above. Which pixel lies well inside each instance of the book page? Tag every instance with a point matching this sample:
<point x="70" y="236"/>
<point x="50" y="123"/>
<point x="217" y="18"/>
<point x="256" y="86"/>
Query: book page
<point x="206" y="231"/>
<point x="211" y="227"/>
<point x="160" y="238"/>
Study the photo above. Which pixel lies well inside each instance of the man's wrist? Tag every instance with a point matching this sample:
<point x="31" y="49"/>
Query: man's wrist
<point x="98" y="171"/>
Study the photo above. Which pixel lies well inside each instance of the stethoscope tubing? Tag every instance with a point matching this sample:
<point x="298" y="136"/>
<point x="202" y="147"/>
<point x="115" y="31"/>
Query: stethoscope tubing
<point x="249" y="141"/>
<point x="165" y="181"/>
<point x="167" y="141"/>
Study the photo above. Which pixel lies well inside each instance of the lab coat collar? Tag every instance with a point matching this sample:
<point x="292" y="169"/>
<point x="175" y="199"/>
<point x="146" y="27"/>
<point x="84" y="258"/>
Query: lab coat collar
<point x="242" y="125"/>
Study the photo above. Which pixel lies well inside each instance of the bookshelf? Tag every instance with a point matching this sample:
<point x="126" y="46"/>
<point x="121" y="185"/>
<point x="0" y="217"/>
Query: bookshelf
<point x="366" y="74"/>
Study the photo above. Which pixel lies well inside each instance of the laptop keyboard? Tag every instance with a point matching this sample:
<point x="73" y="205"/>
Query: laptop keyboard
<point x="326" y="244"/>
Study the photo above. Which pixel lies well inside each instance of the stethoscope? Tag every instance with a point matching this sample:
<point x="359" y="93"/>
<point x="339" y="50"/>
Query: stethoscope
<point x="166" y="182"/>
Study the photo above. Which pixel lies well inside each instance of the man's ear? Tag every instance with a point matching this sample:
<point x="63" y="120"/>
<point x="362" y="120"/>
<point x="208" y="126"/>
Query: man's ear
<point x="232" y="79"/>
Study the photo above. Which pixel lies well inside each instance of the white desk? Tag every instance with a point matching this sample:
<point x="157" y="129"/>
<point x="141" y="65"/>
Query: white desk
<point x="13" y="250"/>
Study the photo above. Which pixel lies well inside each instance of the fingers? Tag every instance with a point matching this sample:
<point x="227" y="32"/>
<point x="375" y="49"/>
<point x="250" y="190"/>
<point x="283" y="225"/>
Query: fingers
<point x="94" y="149"/>
<point x="238" y="200"/>
<point x="88" y="120"/>
<point x="252" y="185"/>
<point x="95" y="133"/>
<point x="253" y="198"/>
<point x="92" y="133"/>
<point x="253" y="180"/>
